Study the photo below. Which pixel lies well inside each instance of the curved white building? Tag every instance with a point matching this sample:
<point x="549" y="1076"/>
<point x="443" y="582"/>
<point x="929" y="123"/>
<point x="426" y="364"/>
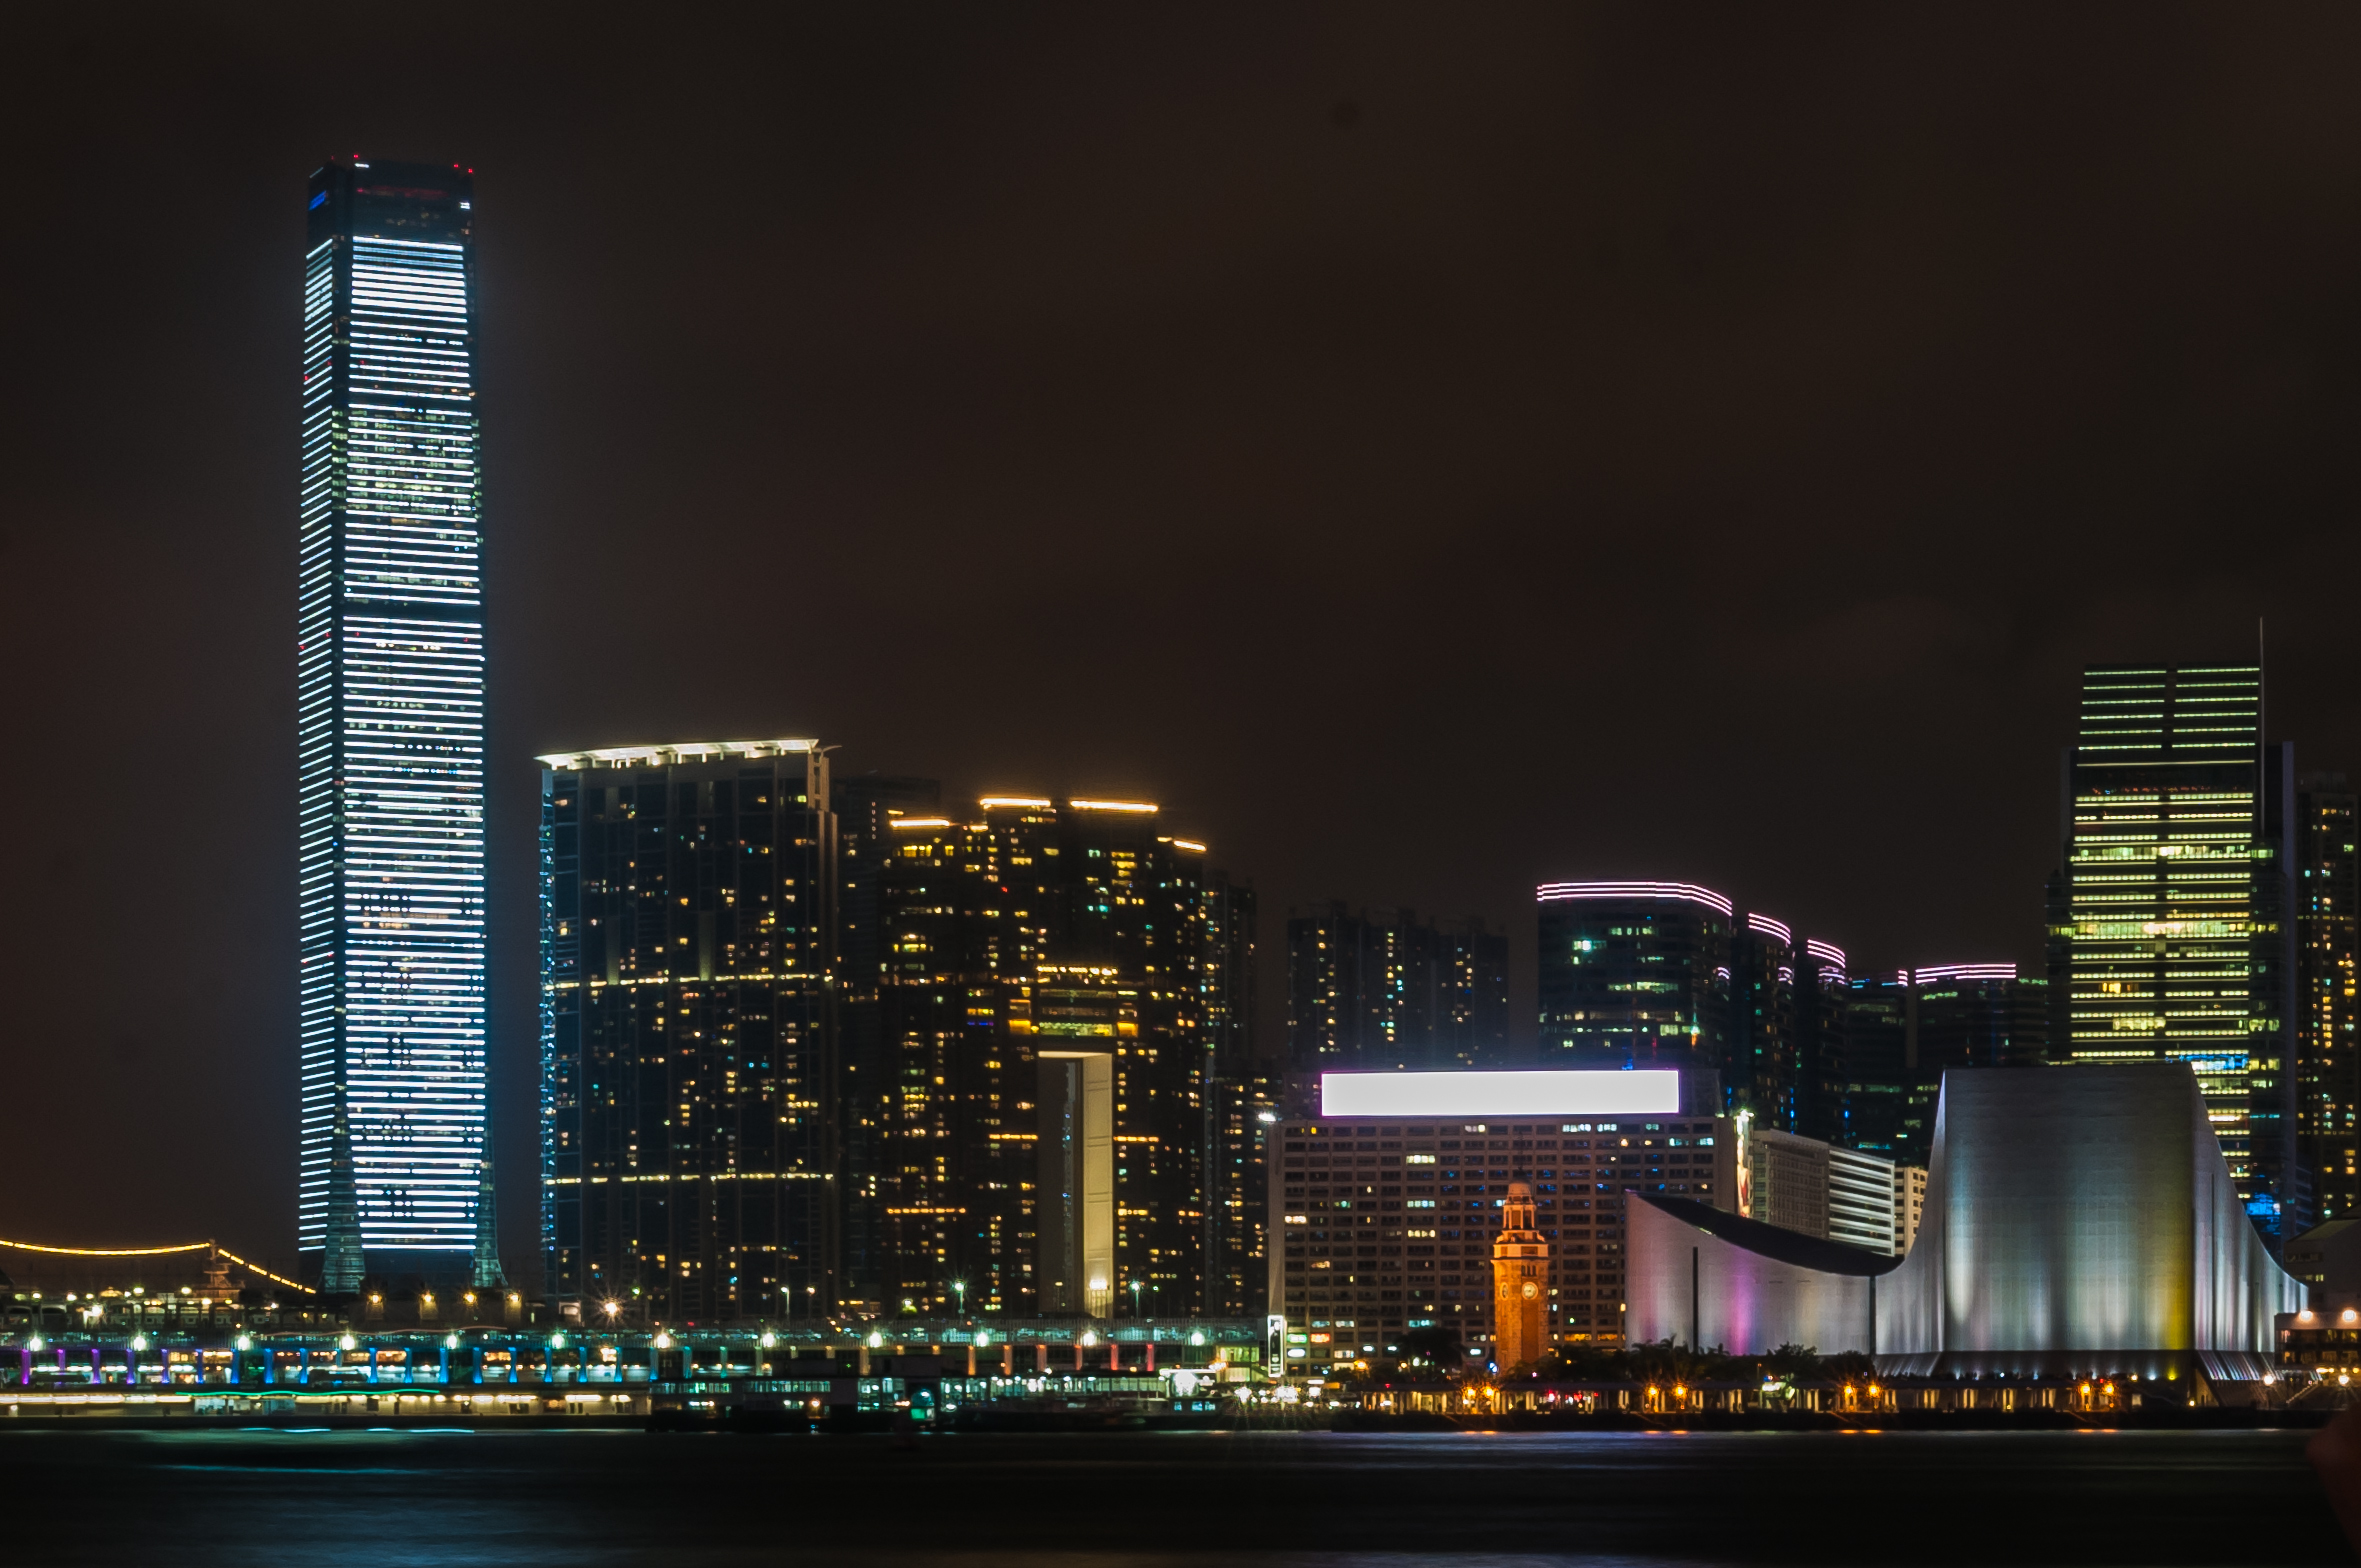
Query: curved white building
<point x="2071" y="1213"/>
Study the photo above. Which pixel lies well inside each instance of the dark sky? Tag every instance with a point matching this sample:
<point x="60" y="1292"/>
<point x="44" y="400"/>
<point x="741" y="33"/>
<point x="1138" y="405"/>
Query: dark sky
<point x="1430" y="449"/>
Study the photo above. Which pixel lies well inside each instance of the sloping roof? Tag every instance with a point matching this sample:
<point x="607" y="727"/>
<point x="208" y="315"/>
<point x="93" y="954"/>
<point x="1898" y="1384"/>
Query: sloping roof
<point x="2321" y="1235"/>
<point x="1783" y="1246"/>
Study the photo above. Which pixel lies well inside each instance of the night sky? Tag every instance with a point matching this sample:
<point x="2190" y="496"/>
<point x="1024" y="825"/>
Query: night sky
<point x="1431" y="450"/>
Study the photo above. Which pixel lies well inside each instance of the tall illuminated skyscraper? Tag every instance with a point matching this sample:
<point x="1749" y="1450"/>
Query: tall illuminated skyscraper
<point x="390" y="728"/>
<point x="2172" y="913"/>
<point x="2327" y="884"/>
<point x="689" y="1091"/>
<point x="1383" y="988"/>
<point x="1634" y="974"/>
<point x="1054" y="985"/>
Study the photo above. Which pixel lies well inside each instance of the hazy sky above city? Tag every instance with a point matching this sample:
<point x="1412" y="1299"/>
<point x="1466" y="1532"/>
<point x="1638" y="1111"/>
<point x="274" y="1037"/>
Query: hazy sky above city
<point x="1430" y="449"/>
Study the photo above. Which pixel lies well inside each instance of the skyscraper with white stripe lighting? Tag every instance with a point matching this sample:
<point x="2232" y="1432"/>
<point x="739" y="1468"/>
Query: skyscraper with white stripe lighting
<point x="391" y="727"/>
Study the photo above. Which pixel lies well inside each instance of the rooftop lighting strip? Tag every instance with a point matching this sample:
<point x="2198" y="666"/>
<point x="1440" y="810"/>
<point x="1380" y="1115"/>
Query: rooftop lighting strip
<point x="1682" y="892"/>
<point x="1765" y="924"/>
<point x="1138" y="806"/>
<point x="1967" y="972"/>
<point x="1031" y="802"/>
<point x="1827" y="950"/>
<point x="683" y="751"/>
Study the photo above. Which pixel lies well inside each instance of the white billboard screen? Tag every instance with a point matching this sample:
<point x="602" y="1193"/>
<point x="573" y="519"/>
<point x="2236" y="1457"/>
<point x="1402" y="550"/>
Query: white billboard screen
<point x="1500" y="1094"/>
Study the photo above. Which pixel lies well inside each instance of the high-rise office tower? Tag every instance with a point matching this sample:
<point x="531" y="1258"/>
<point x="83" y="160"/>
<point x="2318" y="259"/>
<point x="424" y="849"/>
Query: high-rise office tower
<point x="1383" y="989"/>
<point x="1663" y="974"/>
<point x="390" y="727"/>
<point x="1761" y="1071"/>
<point x="1047" y="973"/>
<point x="1878" y="1066"/>
<point x="1903" y="1033"/>
<point x="1823" y="995"/>
<point x="867" y="805"/>
<point x="1978" y="1015"/>
<point x="688" y="1041"/>
<point x="2172" y="916"/>
<point x="1245" y="1112"/>
<point x="1634" y="974"/>
<point x="2328" y="1055"/>
<point x="1242" y="1105"/>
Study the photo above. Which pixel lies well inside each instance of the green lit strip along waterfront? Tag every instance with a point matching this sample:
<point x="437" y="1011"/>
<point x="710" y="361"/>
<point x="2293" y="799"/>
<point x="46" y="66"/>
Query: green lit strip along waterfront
<point x="925" y="1369"/>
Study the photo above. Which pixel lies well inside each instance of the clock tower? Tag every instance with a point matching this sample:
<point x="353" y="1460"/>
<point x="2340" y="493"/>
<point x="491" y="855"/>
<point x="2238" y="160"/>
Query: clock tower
<point x="1520" y="1284"/>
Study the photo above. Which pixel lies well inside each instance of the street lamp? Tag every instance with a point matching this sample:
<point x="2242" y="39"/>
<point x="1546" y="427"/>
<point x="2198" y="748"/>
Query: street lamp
<point x="960" y="1286"/>
<point x="1135" y="1298"/>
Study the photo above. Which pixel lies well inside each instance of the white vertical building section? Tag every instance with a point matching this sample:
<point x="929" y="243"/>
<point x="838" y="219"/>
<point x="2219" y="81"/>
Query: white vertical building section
<point x="391" y="756"/>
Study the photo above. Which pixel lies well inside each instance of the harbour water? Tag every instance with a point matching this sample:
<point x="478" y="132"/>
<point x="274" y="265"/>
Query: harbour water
<point x="1131" y="1500"/>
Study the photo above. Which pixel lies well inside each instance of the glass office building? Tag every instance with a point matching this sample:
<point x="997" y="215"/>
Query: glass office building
<point x="2173" y="913"/>
<point x="1634" y="974"/>
<point x="2327" y="886"/>
<point x="1052" y="1061"/>
<point x="1383" y="988"/>
<point x="689" y="1103"/>
<point x="390" y="723"/>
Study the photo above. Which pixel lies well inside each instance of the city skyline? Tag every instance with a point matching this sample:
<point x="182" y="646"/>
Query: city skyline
<point x="1349" y="749"/>
<point x="953" y="406"/>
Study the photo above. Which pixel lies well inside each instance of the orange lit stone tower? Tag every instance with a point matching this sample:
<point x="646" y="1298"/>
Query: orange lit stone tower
<point x="1520" y="1284"/>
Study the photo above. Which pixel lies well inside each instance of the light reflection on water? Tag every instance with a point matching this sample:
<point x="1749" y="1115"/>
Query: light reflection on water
<point x="276" y="1498"/>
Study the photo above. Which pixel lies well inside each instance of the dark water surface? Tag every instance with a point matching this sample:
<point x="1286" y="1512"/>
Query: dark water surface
<point x="591" y="1498"/>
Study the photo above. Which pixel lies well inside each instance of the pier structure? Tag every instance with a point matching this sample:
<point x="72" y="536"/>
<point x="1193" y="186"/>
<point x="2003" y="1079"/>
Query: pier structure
<point x="815" y="1371"/>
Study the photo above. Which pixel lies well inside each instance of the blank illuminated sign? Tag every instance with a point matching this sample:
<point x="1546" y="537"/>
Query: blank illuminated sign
<point x="1500" y="1094"/>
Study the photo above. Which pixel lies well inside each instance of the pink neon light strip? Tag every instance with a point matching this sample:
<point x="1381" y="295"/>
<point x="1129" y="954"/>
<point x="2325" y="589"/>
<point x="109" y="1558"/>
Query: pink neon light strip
<point x="1967" y="972"/>
<point x="1685" y="892"/>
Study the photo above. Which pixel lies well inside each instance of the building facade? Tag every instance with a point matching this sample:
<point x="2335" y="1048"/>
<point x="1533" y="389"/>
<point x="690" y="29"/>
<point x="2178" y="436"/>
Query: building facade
<point x="866" y="807"/>
<point x="1387" y="1224"/>
<point x="1381" y="988"/>
<point x="1879" y="1067"/>
<point x="2173" y="915"/>
<point x="1634" y="974"/>
<point x="1026" y="951"/>
<point x="390" y="725"/>
<point x="1243" y="1101"/>
<point x="2328" y="1054"/>
<point x="2075" y="1221"/>
<point x="1825" y="1190"/>
<point x="1762" y="1072"/>
<point x="1904" y="1032"/>
<point x="1667" y="974"/>
<point x="1823" y="1005"/>
<point x="1872" y="1202"/>
<point x="690" y="1152"/>
<point x="1910" y="1203"/>
<point x="1245" y="1112"/>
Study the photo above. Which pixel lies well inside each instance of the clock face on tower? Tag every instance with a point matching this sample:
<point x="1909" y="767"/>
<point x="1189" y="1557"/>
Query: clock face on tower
<point x="1531" y="1290"/>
